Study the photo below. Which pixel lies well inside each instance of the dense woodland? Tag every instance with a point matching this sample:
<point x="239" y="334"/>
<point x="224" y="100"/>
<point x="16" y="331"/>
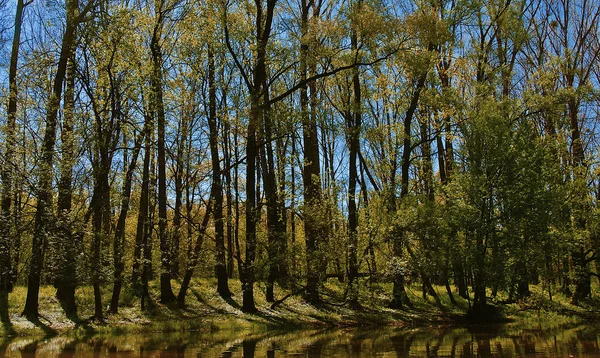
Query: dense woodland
<point x="452" y="143"/>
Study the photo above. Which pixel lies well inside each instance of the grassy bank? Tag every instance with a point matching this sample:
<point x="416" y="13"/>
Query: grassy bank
<point x="206" y="311"/>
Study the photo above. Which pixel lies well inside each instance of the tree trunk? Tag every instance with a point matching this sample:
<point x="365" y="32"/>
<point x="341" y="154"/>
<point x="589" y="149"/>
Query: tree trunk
<point x="311" y="175"/>
<point x="143" y="218"/>
<point x="275" y="222"/>
<point x="399" y="297"/>
<point x="256" y="87"/>
<point x="582" y="277"/>
<point x="353" y="123"/>
<point x="247" y="277"/>
<point x="148" y="227"/>
<point x="7" y="276"/>
<point x="101" y="219"/>
<point x="217" y="186"/>
<point x="194" y="255"/>
<point x="229" y="235"/>
<point x="118" y="249"/>
<point x="66" y="279"/>
<point x="158" y="109"/>
<point x="177" y="214"/>
<point x="44" y="216"/>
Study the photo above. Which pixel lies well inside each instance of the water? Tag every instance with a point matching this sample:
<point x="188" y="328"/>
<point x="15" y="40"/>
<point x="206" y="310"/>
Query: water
<point x="492" y="341"/>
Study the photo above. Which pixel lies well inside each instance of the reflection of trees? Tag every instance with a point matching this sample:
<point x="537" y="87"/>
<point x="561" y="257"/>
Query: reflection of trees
<point x="315" y="348"/>
<point x="433" y="351"/>
<point x="589" y="341"/>
<point x="524" y="344"/>
<point x="467" y="349"/>
<point x="355" y="347"/>
<point x="450" y="342"/>
<point x="454" y="344"/>
<point x="68" y="350"/>
<point x="483" y="346"/>
<point x="402" y="344"/>
<point x="249" y="347"/>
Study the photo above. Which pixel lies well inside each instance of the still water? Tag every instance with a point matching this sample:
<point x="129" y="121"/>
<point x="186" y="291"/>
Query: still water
<point x="497" y="341"/>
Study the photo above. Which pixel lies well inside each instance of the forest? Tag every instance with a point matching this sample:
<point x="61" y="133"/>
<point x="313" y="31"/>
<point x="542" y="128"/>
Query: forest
<point x="441" y="143"/>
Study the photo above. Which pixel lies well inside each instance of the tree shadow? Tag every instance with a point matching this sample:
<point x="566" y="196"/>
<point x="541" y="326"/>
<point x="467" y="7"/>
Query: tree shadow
<point x="275" y="321"/>
<point x="148" y="306"/>
<point x="81" y="323"/>
<point x="48" y="331"/>
<point x="230" y="301"/>
<point x="69" y="312"/>
<point x="8" y="329"/>
<point x="203" y="301"/>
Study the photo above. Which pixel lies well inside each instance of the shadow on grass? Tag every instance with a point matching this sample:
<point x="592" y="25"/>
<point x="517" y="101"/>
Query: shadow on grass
<point x="274" y="321"/>
<point x="48" y="331"/>
<point x="8" y="329"/>
<point x="233" y="303"/>
<point x="71" y="314"/>
<point x="149" y="307"/>
<point x="203" y="301"/>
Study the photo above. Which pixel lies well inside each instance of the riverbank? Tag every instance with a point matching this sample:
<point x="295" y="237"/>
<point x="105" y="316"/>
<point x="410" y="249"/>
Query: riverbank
<point x="206" y="311"/>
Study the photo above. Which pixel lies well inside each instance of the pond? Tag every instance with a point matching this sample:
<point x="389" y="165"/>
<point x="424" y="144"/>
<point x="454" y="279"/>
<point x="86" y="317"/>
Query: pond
<point x="482" y="341"/>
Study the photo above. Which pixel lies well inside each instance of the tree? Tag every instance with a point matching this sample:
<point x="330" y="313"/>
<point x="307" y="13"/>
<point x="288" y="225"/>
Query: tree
<point x="43" y="216"/>
<point x="66" y="278"/>
<point x="353" y="123"/>
<point x="7" y="275"/>
<point x="119" y="236"/>
<point x="314" y="230"/>
<point x="162" y="10"/>
<point x="575" y="45"/>
<point x="217" y="186"/>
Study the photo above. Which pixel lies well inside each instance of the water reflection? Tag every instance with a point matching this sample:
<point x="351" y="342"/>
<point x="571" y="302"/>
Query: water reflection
<point x="494" y="341"/>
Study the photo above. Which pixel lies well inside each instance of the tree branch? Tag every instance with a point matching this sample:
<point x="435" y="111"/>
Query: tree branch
<point x="303" y="83"/>
<point x="237" y="62"/>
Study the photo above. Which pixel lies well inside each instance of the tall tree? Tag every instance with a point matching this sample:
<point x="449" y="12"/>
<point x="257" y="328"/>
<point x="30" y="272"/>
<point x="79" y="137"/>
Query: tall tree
<point x="66" y="278"/>
<point x="263" y="21"/>
<point x="575" y="43"/>
<point x="161" y="9"/>
<point x="314" y="229"/>
<point x="353" y="124"/>
<point x="7" y="275"/>
<point x="217" y="185"/>
<point x="44" y="213"/>
<point x="119" y="236"/>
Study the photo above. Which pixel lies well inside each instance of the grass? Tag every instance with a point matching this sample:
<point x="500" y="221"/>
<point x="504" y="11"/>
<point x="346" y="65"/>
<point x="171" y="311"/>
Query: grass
<point x="205" y="311"/>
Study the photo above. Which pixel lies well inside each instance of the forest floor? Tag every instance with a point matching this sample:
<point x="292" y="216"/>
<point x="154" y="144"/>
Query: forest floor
<point x="206" y="311"/>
